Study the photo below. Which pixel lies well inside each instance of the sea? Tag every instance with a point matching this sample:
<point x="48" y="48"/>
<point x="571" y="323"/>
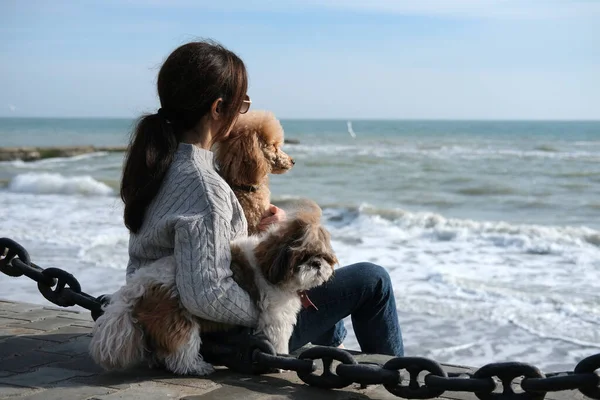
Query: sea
<point x="490" y="230"/>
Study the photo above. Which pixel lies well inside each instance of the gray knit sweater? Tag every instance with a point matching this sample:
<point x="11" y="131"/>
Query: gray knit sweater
<point x="194" y="216"/>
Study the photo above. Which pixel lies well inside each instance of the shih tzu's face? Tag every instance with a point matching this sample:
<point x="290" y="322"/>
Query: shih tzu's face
<point x="297" y="255"/>
<point x="315" y="270"/>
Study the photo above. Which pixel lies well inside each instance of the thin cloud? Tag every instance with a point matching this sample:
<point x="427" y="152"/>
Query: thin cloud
<point x="540" y="9"/>
<point x="12" y="108"/>
<point x="497" y="9"/>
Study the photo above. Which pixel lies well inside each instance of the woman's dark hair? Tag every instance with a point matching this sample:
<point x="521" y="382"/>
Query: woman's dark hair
<point x="190" y="80"/>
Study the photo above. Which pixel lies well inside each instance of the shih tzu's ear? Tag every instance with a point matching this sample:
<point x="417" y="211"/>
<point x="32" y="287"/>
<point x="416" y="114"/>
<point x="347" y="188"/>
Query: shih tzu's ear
<point x="281" y="266"/>
<point x="274" y="256"/>
<point x="278" y="254"/>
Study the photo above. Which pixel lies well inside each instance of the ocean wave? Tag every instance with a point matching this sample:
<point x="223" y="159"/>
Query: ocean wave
<point x="78" y="157"/>
<point x="51" y="161"/>
<point x="548" y="148"/>
<point x="442" y="152"/>
<point x="532" y="239"/>
<point x="579" y="174"/>
<point x="53" y="183"/>
<point x="587" y="143"/>
<point x="526" y="325"/>
<point x="488" y="190"/>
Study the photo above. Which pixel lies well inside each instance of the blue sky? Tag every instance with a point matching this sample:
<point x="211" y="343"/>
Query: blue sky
<point x="393" y="59"/>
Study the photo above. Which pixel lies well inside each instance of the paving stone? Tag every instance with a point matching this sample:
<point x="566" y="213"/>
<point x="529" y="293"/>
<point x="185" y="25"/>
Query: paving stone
<point x="42" y="377"/>
<point x="9" y="331"/>
<point x="123" y="379"/>
<point x="30" y="360"/>
<point x="47" y="324"/>
<point x="62" y="335"/>
<point x="101" y="380"/>
<point x="76" y="346"/>
<point x="203" y="384"/>
<point x="81" y="363"/>
<point x="7" y="313"/>
<point x="80" y="322"/>
<point x="34" y="315"/>
<point x="7" y="320"/>
<point x="70" y="393"/>
<point x="7" y="391"/>
<point x="149" y="391"/>
<point x="70" y="314"/>
<point x="17" y="307"/>
<point x="61" y="309"/>
<point x="455" y="395"/>
<point x="19" y="345"/>
<point x="236" y="393"/>
<point x="265" y="392"/>
<point x="38" y="313"/>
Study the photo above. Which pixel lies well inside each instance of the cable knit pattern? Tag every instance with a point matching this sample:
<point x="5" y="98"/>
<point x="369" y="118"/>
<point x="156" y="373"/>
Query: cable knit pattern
<point x="194" y="217"/>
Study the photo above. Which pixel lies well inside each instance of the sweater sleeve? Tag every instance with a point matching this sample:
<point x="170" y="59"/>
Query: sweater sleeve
<point x="204" y="278"/>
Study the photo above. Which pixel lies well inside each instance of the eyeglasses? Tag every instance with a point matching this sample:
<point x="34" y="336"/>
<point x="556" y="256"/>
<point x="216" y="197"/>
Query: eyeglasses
<point x="245" y="105"/>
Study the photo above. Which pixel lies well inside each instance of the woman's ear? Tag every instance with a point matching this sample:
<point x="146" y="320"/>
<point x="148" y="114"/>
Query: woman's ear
<point x="216" y="108"/>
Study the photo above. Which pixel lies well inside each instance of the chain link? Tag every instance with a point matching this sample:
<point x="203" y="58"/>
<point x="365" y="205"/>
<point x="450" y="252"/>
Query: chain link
<point x="414" y="366"/>
<point x="454" y="383"/>
<point x="507" y="373"/>
<point x="55" y="284"/>
<point x="589" y="366"/>
<point x="328" y="379"/>
<point x="254" y="354"/>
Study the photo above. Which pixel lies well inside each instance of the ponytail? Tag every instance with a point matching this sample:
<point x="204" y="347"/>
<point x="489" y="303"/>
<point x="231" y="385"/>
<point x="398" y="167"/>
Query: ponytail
<point x="149" y="155"/>
<point x="190" y="80"/>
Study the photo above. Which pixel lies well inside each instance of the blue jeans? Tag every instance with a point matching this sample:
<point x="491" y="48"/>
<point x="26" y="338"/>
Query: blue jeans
<point x="363" y="291"/>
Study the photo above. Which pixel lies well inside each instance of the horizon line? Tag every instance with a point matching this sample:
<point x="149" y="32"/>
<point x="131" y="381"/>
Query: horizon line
<point x="429" y="119"/>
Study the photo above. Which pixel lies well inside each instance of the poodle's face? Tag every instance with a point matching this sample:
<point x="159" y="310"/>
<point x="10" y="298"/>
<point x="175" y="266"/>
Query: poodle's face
<point x="253" y="150"/>
<point x="278" y="160"/>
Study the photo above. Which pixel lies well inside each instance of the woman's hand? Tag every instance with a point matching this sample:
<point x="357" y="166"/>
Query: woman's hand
<point x="273" y="215"/>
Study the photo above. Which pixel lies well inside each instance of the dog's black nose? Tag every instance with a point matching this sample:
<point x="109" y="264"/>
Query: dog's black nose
<point x="293" y="162"/>
<point x="316" y="264"/>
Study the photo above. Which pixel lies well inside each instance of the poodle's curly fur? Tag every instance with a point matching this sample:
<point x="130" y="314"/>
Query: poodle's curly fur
<point x="247" y="157"/>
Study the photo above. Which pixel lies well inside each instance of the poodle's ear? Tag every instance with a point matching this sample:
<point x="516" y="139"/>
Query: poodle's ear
<point x="241" y="160"/>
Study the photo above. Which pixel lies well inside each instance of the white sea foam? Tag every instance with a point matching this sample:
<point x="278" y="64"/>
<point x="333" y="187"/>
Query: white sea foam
<point x="441" y="152"/>
<point x="533" y="277"/>
<point x="79" y="157"/>
<point x="500" y="233"/>
<point x="48" y="162"/>
<point x="480" y="291"/>
<point x="54" y="183"/>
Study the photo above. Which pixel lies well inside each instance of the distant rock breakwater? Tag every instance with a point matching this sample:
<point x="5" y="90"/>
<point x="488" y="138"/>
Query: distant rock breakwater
<point x="40" y="153"/>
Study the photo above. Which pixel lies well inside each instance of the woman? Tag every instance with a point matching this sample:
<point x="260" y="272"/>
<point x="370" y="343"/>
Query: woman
<point x="176" y="203"/>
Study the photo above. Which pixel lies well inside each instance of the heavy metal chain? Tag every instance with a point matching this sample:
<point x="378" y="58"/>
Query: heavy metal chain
<point x="55" y="284"/>
<point x="405" y="377"/>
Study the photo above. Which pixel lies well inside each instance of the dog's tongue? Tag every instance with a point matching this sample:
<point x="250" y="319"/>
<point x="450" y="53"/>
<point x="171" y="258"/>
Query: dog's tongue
<point x="306" y="303"/>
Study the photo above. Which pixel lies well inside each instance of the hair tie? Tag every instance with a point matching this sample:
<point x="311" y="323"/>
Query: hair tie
<point x="165" y="115"/>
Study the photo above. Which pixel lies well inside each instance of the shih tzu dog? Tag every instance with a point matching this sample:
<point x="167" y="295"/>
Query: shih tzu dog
<point x="247" y="157"/>
<point x="145" y="320"/>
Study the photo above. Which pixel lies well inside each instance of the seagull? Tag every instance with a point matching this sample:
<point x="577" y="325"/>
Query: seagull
<point x="350" y="130"/>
